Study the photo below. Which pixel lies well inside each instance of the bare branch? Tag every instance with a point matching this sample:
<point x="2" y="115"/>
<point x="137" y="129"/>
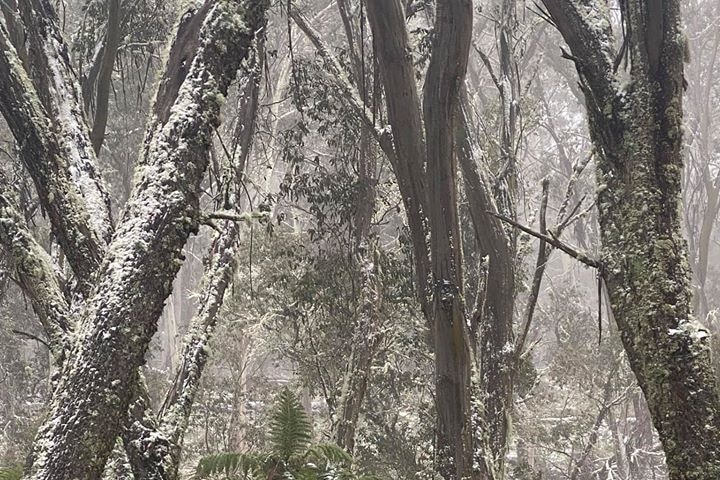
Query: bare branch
<point x="551" y="240"/>
<point x="31" y="337"/>
<point x="540" y="264"/>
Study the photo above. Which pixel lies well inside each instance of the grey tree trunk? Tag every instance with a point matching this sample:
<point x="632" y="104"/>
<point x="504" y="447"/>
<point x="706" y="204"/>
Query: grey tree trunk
<point x="102" y="95"/>
<point x="451" y="335"/>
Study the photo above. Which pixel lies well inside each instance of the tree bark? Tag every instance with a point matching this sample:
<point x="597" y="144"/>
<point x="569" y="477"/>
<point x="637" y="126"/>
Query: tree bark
<point x="494" y="310"/>
<point x="93" y="394"/>
<point x="102" y="89"/>
<point x="48" y="64"/>
<point x="387" y="21"/>
<point x="636" y="127"/>
<point x="43" y="157"/>
<point x="451" y="334"/>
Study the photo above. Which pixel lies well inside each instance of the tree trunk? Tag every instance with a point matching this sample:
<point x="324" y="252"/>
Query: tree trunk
<point x="636" y="127"/>
<point x="494" y="311"/>
<point x="451" y="334"/>
<point x="93" y="394"/>
<point x="390" y="37"/>
<point x="102" y="96"/>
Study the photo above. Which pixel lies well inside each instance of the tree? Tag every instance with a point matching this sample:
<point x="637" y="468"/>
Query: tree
<point x="121" y="285"/>
<point x="418" y="132"/>
<point x="634" y="106"/>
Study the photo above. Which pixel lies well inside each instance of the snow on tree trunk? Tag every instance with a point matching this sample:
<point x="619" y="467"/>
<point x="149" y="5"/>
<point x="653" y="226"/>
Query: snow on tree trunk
<point x="43" y="156"/>
<point x="58" y="90"/>
<point x="93" y="394"/>
<point x="636" y="125"/>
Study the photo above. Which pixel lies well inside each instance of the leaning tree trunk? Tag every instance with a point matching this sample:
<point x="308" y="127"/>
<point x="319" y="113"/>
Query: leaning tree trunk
<point x="636" y="126"/>
<point x="117" y="323"/>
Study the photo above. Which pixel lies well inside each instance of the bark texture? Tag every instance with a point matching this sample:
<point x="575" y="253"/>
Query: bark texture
<point x="155" y="441"/>
<point x="93" y="394"/>
<point x="494" y="309"/>
<point x="44" y="158"/>
<point x="390" y="37"/>
<point x="48" y="64"/>
<point x="636" y="126"/>
<point x="451" y="334"/>
<point x="102" y="90"/>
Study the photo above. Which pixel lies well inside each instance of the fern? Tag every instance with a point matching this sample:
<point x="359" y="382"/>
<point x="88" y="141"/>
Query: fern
<point x="230" y="465"/>
<point x="11" y="473"/>
<point x="289" y="427"/>
<point x="328" y="453"/>
<point x="291" y="456"/>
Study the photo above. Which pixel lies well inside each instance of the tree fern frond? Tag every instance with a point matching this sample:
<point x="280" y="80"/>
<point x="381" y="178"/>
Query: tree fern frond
<point x="230" y="465"/>
<point x="11" y="473"/>
<point x="329" y="453"/>
<point x="290" y="427"/>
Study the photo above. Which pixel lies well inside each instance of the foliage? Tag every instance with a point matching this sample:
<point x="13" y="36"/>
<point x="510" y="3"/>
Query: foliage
<point x="11" y="473"/>
<point x="291" y="455"/>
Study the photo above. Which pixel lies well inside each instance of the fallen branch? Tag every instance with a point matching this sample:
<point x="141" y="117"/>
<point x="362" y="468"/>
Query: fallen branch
<point x="233" y="217"/>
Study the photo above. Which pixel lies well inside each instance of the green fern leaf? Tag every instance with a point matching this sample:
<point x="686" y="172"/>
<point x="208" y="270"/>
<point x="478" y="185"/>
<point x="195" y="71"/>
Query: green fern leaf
<point x="328" y="454"/>
<point x="11" y="473"/>
<point x="290" y="426"/>
<point x="230" y="465"/>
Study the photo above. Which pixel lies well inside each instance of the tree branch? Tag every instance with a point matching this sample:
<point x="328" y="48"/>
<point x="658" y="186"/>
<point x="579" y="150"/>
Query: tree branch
<point x="102" y="95"/>
<point x="43" y="156"/>
<point x="552" y="240"/>
<point x="58" y="89"/>
<point x="540" y="264"/>
<point x="31" y="337"/>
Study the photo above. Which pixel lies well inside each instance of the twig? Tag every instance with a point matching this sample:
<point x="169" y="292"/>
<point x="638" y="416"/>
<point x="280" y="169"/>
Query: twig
<point x="578" y="169"/>
<point x="552" y="240"/>
<point x="31" y="337"/>
<point x="488" y="66"/>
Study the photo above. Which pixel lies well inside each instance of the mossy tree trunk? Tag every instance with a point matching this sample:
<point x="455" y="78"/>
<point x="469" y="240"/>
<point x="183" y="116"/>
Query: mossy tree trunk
<point x="100" y="346"/>
<point x="634" y="104"/>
